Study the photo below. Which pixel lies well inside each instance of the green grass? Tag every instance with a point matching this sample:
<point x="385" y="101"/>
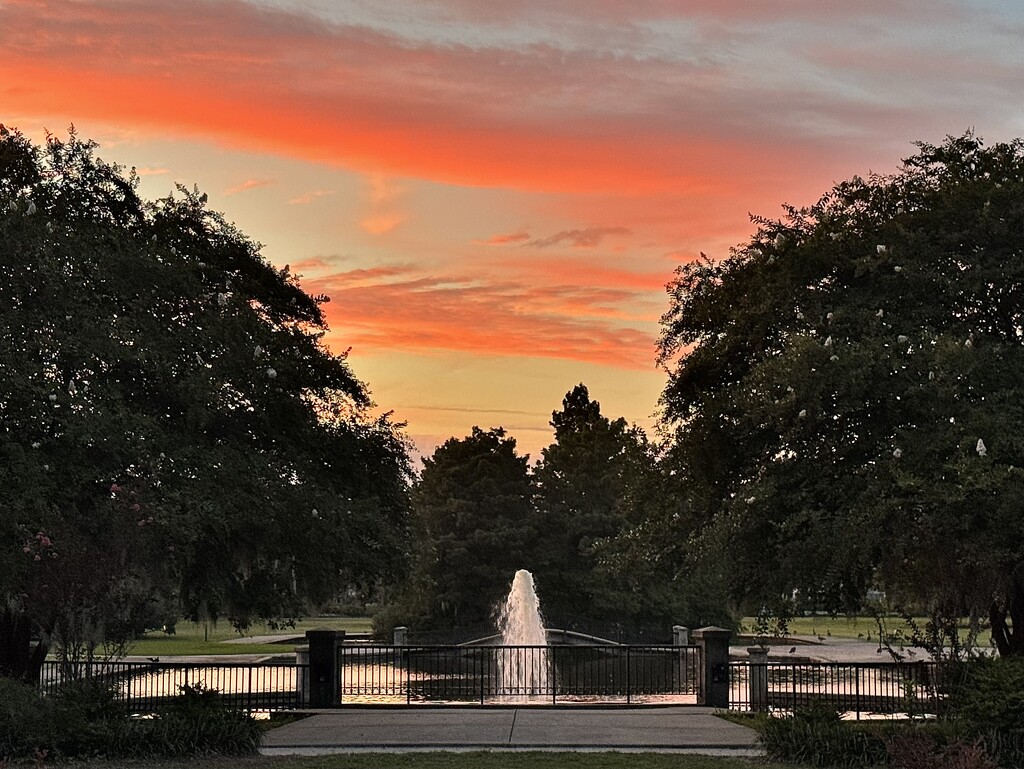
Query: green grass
<point x="195" y="639"/>
<point x="864" y="628"/>
<point x="474" y="760"/>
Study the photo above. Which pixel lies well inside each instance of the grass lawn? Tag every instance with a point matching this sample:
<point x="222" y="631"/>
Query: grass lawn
<point x="864" y="628"/>
<point x="473" y="760"/>
<point x="194" y="638"/>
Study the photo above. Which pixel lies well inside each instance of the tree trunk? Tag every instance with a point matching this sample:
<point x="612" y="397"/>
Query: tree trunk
<point x="1009" y="636"/>
<point x="19" y="658"/>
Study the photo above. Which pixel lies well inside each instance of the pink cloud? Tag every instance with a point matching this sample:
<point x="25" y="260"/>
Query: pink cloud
<point x="399" y="309"/>
<point x="503" y="239"/>
<point x="248" y="184"/>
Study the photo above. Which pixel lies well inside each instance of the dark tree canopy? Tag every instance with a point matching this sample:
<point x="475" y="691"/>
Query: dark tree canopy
<point x="591" y="484"/>
<point x="171" y="425"/>
<point x="847" y="396"/>
<point x="474" y="526"/>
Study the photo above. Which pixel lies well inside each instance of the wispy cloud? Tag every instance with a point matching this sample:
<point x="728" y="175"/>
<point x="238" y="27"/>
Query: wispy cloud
<point x="248" y="184"/>
<point x="309" y="197"/>
<point x="145" y="171"/>
<point x="400" y="308"/>
<point x="503" y="239"/>
<point x="587" y="238"/>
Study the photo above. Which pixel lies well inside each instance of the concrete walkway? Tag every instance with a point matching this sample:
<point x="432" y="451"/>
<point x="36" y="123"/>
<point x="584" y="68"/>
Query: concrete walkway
<point x="663" y="729"/>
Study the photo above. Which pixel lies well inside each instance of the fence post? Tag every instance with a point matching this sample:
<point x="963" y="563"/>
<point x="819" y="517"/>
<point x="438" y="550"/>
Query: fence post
<point x="400" y="636"/>
<point x="714" y="669"/>
<point x="680" y="637"/>
<point x="324" y="670"/>
<point x="758" y="678"/>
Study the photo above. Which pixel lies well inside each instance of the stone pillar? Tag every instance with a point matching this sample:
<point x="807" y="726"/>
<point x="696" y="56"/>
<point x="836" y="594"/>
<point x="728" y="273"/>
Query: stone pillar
<point x="302" y="676"/>
<point x="680" y="635"/>
<point x="714" y="669"/>
<point x="758" y="682"/>
<point x="400" y="636"/>
<point x="324" y="670"/>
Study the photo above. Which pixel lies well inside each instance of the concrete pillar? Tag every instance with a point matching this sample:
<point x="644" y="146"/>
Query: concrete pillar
<point x="324" y="669"/>
<point x="680" y="635"/>
<point x="714" y="669"/>
<point x="400" y="636"/>
<point x="758" y="681"/>
<point x="302" y="675"/>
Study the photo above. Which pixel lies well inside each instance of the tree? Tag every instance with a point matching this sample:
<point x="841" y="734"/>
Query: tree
<point x="846" y="398"/>
<point x="171" y="425"/>
<point x="473" y="519"/>
<point x="591" y="482"/>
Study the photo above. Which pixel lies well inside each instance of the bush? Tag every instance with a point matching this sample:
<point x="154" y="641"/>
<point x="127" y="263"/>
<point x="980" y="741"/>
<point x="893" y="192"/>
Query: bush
<point x="25" y="720"/>
<point x="85" y="720"/>
<point x="919" y="749"/>
<point x="988" y="703"/>
<point x="816" y="735"/>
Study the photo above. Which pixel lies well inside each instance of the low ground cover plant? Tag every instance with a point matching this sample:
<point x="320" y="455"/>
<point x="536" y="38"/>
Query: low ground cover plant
<point x="85" y="720"/>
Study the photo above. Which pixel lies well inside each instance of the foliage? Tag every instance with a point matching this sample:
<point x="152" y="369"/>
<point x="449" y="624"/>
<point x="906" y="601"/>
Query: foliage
<point x="845" y="400"/>
<point x="174" y="429"/>
<point x="474" y="525"/>
<point x="816" y="736"/>
<point x="594" y="481"/>
<point x="85" y="721"/>
<point x="987" y="700"/>
<point x="918" y="750"/>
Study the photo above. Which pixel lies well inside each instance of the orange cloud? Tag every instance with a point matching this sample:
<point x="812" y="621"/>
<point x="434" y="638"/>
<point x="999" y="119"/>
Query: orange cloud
<point x="309" y="197"/>
<point x="381" y="224"/>
<point x="248" y="184"/>
<point x="396" y="308"/>
<point x="503" y="239"/>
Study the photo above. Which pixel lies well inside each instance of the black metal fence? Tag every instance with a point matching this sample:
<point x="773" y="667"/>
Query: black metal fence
<point x="855" y="688"/>
<point x="517" y="674"/>
<point x="147" y="686"/>
<point x="378" y="674"/>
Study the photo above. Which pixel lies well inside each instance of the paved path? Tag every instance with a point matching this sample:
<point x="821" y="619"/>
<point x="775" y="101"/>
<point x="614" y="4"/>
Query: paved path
<point x="676" y="729"/>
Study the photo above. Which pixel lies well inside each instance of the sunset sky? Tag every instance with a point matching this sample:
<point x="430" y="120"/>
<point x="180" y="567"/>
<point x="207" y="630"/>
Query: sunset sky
<point x="494" y="194"/>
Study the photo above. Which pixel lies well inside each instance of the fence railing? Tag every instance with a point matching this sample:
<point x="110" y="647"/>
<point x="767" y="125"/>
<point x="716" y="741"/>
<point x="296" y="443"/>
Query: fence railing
<point x="510" y="674"/>
<point x="147" y="686"/>
<point x="378" y="674"/>
<point x="854" y="687"/>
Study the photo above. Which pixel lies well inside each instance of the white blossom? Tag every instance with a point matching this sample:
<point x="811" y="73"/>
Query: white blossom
<point x="897" y="453"/>
<point x="271" y="373"/>
<point x="880" y="314"/>
<point x="828" y="342"/>
<point x="257" y="351"/>
<point x="969" y="343"/>
<point x="802" y="414"/>
<point x="980" y="448"/>
<point x="897" y="268"/>
<point x="903" y="338"/>
<point x="36" y="444"/>
<point x="931" y="376"/>
<point x="881" y="249"/>
<point x="52" y="397"/>
<point x="30" y="208"/>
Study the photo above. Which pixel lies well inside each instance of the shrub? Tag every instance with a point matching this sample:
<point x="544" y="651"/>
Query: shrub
<point x="24" y="720"/>
<point x="816" y="735"/>
<point x="988" y="703"/>
<point x="919" y="749"/>
<point x="196" y="723"/>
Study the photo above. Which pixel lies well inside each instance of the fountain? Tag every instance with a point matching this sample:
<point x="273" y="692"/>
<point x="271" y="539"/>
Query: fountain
<point x="522" y="671"/>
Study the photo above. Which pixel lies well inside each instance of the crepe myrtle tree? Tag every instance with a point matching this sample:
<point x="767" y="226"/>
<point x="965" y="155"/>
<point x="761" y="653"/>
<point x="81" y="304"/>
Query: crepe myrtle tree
<point x="846" y="395"/>
<point x="172" y="427"/>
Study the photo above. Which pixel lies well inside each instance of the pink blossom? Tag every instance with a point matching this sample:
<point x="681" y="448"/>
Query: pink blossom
<point x="136" y="507"/>
<point x="38" y="558"/>
<point x="114" y="488"/>
<point x="26" y="549"/>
